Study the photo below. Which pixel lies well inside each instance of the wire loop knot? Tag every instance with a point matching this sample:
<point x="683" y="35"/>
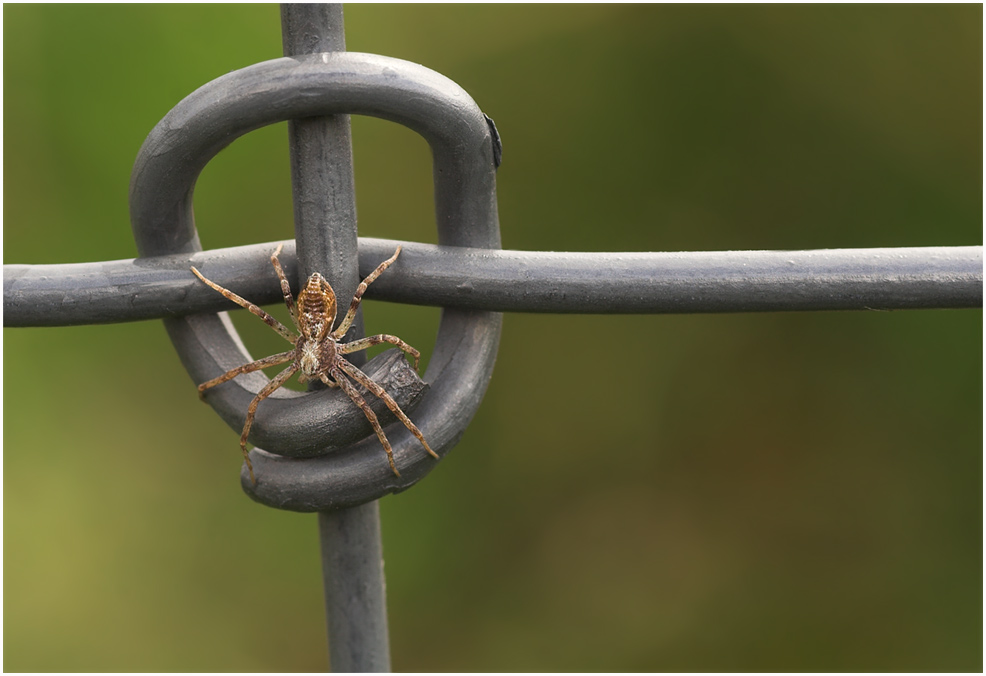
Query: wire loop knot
<point x="315" y="458"/>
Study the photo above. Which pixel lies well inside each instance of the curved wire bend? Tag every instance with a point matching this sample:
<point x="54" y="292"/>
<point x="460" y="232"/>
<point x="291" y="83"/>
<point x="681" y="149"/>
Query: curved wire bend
<point x="161" y="188"/>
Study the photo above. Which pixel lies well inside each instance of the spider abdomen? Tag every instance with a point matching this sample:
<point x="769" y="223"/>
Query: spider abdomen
<point x="316" y="307"/>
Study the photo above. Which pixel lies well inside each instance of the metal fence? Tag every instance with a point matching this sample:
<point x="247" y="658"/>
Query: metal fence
<point x="467" y="274"/>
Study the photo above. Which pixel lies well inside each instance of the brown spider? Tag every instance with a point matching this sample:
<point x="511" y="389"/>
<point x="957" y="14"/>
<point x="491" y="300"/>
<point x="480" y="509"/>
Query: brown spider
<point x="317" y="352"/>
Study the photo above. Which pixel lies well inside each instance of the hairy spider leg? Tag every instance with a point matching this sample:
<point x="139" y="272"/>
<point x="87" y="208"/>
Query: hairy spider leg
<point x="338" y="371"/>
<point x="370" y="341"/>
<point x="381" y="393"/>
<point x="242" y="302"/>
<point x="360" y="290"/>
<point x="358" y="399"/>
<point x="268" y="389"/>
<point x="285" y="286"/>
<point x="272" y="360"/>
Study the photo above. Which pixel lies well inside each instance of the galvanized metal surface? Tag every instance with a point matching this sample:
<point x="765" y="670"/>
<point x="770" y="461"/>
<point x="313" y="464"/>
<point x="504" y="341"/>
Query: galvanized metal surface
<point x="462" y="361"/>
<point x="468" y="278"/>
<point x="324" y="200"/>
<point x="515" y="281"/>
<point x="355" y="594"/>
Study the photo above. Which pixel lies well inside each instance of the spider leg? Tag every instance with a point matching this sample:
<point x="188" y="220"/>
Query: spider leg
<point x="358" y="399"/>
<point x="360" y="290"/>
<point x="381" y="393"/>
<point x="285" y="286"/>
<point x="272" y="360"/>
<point x="363" y="343"/>
<point x="242" y="302"/>
<point x="268" y="389"/>
<point x="302" y="378"/>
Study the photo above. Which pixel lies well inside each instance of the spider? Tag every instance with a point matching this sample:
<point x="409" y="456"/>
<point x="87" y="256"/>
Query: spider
<point x="317" y="352"/>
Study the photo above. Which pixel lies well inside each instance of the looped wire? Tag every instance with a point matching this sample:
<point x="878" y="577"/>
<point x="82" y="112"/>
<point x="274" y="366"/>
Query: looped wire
<point x="161" y="189"/>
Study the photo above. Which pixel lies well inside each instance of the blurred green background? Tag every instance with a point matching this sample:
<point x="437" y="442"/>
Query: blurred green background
<point x="765" y="492"/>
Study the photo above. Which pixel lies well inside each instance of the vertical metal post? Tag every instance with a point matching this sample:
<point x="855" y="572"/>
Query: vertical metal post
<point x="325" y="230"/>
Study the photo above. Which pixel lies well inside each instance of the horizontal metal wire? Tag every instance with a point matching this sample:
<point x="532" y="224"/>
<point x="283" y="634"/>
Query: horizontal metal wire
<point x="513" y="281"/>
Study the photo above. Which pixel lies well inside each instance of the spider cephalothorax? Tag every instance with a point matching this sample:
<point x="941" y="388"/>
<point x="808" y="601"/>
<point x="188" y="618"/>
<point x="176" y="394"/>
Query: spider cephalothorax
<point x="317" y="352"/>
<point x="317" y="312"/>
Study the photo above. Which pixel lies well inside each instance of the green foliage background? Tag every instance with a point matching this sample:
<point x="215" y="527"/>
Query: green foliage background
<point x="765" y="492"/>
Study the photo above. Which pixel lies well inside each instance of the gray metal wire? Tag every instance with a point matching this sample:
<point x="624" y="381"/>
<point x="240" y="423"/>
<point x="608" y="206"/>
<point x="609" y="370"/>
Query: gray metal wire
<point x="514" y="281"/>
<point x="306" y="459"/>
<point x="324" y="199"/>
<point x="467" y="275"/>
<point x="163" y="181"/>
